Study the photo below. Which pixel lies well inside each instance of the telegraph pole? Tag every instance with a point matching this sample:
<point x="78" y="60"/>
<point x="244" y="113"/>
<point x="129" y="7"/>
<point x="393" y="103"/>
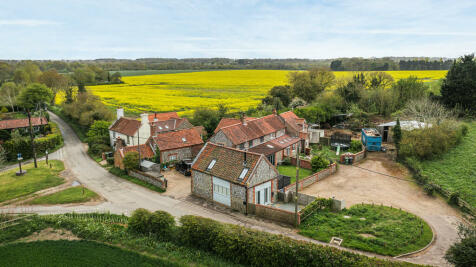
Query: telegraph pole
<point x="138" y="144"/>
<point x="32" y="138"/>
<point x="297" y="187"/>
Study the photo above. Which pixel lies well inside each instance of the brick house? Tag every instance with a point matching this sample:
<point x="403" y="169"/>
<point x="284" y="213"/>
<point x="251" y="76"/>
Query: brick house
<point x="23" y="124"/>
<point x="275" y="136"/>
<point x="177" y="145"/>
<point x="233" y="177"/>
<point x="146" y="152"/>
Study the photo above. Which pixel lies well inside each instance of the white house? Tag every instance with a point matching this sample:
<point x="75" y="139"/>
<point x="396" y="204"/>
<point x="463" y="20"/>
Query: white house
<point x="130" y="130"/>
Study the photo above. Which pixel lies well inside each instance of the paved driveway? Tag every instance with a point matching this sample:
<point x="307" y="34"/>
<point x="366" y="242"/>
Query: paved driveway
<point x="366" y="182"/>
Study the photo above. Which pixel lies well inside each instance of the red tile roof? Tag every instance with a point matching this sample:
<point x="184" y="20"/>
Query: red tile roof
<point x="168" y="125"/>
<point x="293" y="120"/>
<point x="179" y="139"/>
<point x="22" y="123"/>
<point x="229" y="163"/>
<point x="145" y="151"/>
<point x="224" y="122"/>
<point x="125" y="126"/>
<point x="275" y="145"/>
<point x="240" y="133"/>
<point x="163" y="116"/>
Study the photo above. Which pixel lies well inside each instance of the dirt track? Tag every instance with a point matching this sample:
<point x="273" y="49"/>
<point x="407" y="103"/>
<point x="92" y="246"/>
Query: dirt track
<point x="355" y="185"/>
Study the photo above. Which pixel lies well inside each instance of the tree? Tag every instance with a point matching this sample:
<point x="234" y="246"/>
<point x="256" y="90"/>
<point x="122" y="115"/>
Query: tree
<point x="8" y="94"/>
<point x="318" y="163"/>
<point x="116" y="77"/>
<point x="297" y="102"/>
<point x="463" y="253"/>
<point x="283" y="92"/>
<point x="321" y="79"/>
<point x="459" y="86"/>
<point x="353" y="91"/>
<point x="380" y="80"/>
<point x="83" y="76"/>
<point x="3" y="156"/>
<point x="98" y="133"/>
<point x="408" y="89"/>
<point x="86" y="109"/>
<point x="309" y="84"/>
<point x="131" y="160"/>
<point x="30" y="98"/>
<point x="427" y="110"/>
<point x="397" y="133"/>
<point x="53" y="80"/>
<point x="208" y="118"/>
<point x="5" y="72"/>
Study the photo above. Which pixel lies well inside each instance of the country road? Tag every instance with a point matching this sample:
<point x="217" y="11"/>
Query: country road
<point x="123" y="197"/>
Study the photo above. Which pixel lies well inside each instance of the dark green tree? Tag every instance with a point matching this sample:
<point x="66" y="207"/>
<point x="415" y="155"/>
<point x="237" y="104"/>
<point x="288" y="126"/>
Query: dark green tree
<point x="131" y="160"/>
<point x="408" y="89"/>
<point x="83" y="76"/>
<point x="463" y="253"/>
<point x="31" y="98"/>
<point x="459" y="86"/>
<point x="283" y="92"/>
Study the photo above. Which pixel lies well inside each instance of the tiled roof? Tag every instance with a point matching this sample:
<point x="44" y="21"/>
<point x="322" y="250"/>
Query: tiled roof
<point x="163" y="116"/>
<point x="125" y="126"/>
<point x="275" y="145"/>
<point x="168" y="125"/>
<point x="293" y="120"/>
<point x="179" y="139"/>
<point x="145" y="151"/>
<point x="21" y="123"/>
<point x="229" y="163"/>
<point x="224" y="122"/>
<point x="239" y="133"/>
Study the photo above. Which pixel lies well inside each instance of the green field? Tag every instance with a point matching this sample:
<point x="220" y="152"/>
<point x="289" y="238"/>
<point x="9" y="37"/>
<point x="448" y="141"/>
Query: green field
<point x="185" y="92"/>
<point x="73" y="253"/>
<point x="379" y="229"/>
<point x="12" y="186"/>
<point x="77" y="194"/>
<point x="290" y="171"/>
<point x="456" y="169"/>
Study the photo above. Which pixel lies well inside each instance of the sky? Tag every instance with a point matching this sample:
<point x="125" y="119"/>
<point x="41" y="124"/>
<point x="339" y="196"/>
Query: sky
<point x="73" y="29"/>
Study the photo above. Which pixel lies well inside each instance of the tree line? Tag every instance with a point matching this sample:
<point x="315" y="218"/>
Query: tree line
<point x="388" y="63"/>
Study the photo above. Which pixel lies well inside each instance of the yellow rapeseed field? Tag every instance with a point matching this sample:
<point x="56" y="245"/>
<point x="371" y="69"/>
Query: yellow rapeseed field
<point x="185" y="92"/>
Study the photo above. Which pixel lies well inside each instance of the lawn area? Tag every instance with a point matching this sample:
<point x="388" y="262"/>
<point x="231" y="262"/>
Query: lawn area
<point x="121" y="174"/>
<point x="456" y="169"/>
<point x="327" y="152"/>
<point x="69" y="195"/>
<point x="12" y="186"/>
<point x="74" y="253"/>
<point x="290" y="171"/>
<point x="385" y="230"/>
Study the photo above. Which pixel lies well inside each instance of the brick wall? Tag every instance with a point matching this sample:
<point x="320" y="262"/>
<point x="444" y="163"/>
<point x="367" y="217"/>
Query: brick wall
<point x="271" y="213"/>
<point x="313" y="178"/>
<point x="157" y="181"/>
<point x="356" y="157"/>
<point x="303" y="163"/>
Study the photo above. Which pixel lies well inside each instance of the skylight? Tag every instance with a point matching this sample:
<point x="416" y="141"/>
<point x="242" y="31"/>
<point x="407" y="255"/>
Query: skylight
<point x="270" y="146"/>
<point x="160" y="127"/>
<point x="243" y="173"/>
<point x="183" y="139"/>
<point x="212" y="163"/>
<point x="166" y="126"/>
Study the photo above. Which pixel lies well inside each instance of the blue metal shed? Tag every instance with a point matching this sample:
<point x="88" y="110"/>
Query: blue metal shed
<point x="371" y="139"/>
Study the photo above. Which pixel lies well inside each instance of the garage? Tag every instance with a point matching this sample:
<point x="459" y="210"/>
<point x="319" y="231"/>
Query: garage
<point x="221" y="191"/>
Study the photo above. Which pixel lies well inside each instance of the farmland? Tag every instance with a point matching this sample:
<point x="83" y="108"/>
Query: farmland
<point x="185" y="92"/>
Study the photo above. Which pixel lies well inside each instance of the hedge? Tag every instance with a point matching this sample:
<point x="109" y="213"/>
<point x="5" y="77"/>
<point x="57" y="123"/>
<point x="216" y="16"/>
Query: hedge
<point x="51" y="141"/>
<point x="256" y="248"/>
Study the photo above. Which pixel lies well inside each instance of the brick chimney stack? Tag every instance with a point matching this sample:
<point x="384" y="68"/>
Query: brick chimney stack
<point x="243" y="119"/>
<point x="119" y="143"/>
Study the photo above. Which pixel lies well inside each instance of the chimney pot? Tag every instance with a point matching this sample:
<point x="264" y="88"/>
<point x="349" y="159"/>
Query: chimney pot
<point x="119" y="113"/>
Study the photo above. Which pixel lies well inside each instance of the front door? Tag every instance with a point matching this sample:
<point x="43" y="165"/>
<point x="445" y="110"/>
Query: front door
<point x="263" y="194"/>
<point x="271" y="158"/>
<point x="385" y="134"/>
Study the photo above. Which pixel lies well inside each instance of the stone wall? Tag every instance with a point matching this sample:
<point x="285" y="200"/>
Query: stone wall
<point x="238" y="198"/>
<point x="264" y="172"/>
<point x="355" y="157"/>
<point x="181" y="153"/>
<point x="202" y="185"/>
<point x="148" y="178"/>
<point x="271" y="213"/>
<point x="220" y="138"/>
<point x="313" y="178"/>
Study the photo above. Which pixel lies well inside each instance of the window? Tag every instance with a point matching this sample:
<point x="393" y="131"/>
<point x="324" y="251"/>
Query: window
<point x="212" y="163"/>
<point x="173" y="157"/>
<point x="166" y="126"/>
<point x="243" y="173"/>
<point x="288" y="152"/>
<point x="261" y="139"/>
<point x="184" y="139"/>
<point x="266" y="195"/>
<point x="242" y="146"/>
<point x="250" y="143"/>
<point x="114" y="135"/>
<point x="273" y="135"/>
<point x="221" y="190"/>
<point x="128" y="141"/>
<point x="160" y="127"/>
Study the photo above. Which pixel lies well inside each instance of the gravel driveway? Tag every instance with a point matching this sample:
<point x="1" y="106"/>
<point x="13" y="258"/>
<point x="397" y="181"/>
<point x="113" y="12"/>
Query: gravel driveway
<point x="366" y="183"/>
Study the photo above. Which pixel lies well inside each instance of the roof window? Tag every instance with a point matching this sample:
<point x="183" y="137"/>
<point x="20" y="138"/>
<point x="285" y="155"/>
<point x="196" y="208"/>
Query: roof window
<point x="184" y="139"/>
<point x="243" y="173"/>
<point x="212" y="163"/>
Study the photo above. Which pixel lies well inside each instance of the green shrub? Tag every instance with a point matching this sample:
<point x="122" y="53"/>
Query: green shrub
<point x="463" y="253"/>
<point x="98" y="149"/>
<point x="139" y="221"/>
<point x="286" y="161"/>
<point x="355" y="146"/>
<point x="429" y="189"/>
<point x="159" y="223"/>
<point x="464" y="129"/>
<point x="454" y="198"/>
<point x="318" y="163"/>
<point x="110" y="161"/>
<point x="131" y="160"/>
<point x="256" y="248"/>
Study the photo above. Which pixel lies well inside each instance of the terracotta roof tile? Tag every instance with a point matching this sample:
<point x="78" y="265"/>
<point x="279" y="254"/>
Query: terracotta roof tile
<point x="145" y="151"/>
<point x="275" y="145"/>
<point x="229" y="162"/>
<point x="179" y="139"/>
<point x="125" y="126"/>
<point x="168" y="125"/>
<point x="240" y="133"/>
<point x="224" y="122"/>
<point x="163" y="116"/>
<point x="22" y="123"/>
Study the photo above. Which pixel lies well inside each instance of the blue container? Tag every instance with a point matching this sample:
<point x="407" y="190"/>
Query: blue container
<point x="371" y="139"/>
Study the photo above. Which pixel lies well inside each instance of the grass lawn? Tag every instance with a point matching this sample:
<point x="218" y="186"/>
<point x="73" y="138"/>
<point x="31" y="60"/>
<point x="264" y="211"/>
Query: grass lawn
<point x="456" y="169"/>
<point x="121" y="174"/>
<point x="12" y="186"/>
<point x="74" y="253"/>
<point x="327" y="152"/>
<point x="290" y="171"/>
<point x="69" y="195"/>
<point x="385" y="230"/>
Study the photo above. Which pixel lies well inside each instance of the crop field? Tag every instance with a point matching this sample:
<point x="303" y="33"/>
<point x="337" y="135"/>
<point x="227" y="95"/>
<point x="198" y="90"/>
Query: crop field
<point x="185" y="92"/>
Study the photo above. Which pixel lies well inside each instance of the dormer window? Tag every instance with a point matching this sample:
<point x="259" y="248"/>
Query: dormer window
<point x="212" y="163"/>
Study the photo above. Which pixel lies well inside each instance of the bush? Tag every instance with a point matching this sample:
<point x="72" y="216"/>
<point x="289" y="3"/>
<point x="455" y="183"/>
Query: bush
<point x="110" y="161"/>
<point x="318" y="163"/>
<point x="463" y="253"/>
<point x="159" y="223"/>
<point x="464" y="129"/>
<point x="131" y="160"/>
<point x="355" y="146"/>
<point x="98" y="149"/>
<point x="256" y="248"/>
<point x="429" y="189"/>
<point x="454" y="198"/>
<point x="286" y="161"/>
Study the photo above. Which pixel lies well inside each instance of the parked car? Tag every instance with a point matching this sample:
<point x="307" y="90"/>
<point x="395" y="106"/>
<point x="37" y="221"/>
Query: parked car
<point x="184" y="167"/>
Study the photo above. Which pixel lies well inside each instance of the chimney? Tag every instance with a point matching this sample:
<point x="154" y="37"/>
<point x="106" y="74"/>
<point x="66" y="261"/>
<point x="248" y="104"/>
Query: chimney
<point x="120" y="113"/>
<point x="144" y="118"/>
<point x="243" y="119"/>
<point x="119" y="143"/>
<point x="244" y="160"/>
<point x="275" y="112"/>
